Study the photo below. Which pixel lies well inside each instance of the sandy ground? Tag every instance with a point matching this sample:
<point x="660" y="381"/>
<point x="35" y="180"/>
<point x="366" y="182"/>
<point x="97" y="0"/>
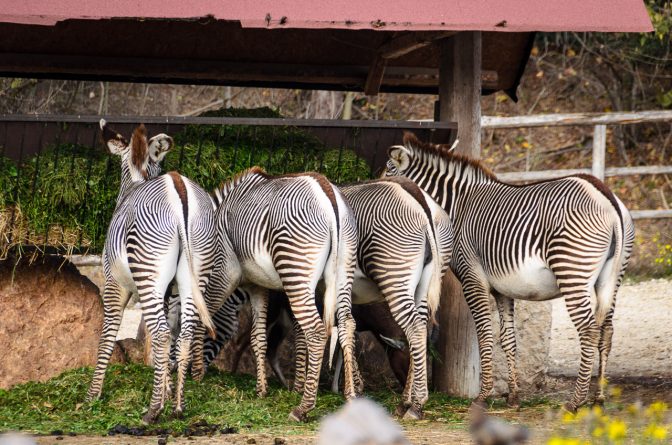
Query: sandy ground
<point x="642" y="344"/>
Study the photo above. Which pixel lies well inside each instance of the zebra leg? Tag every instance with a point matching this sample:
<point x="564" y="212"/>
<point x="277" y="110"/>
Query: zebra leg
<point x="416" y="333"/>
<point x="604" y="348"/>
<point x="300" y="351"/>
<point x="303" y="306"/>
<point x="198" y="365"/>
<point x="160" y="335"/>
<point x="259" y="301"/>
<point x="581" y="314"/>
<point x="114" y="302"/>
<point x="505" y="307"/>
<point x="184" y="350"/>
<point x="476" y="292"/>
<point x="346" y="335"/>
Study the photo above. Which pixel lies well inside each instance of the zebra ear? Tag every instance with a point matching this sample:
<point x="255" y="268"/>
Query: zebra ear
<point x="400" y="156"/>
<point x="114" y="141"/>
<point x="159" y="146"/>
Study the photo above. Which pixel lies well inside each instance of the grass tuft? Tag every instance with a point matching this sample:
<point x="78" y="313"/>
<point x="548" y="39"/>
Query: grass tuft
<point x="221" y="398"/>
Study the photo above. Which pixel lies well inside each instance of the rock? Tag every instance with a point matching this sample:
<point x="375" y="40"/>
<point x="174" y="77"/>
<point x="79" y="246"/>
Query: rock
<point x="533" y="339"/>
<point x="51" y="320"/>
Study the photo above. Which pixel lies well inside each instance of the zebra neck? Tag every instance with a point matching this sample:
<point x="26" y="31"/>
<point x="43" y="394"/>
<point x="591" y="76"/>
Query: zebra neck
<point x="451" y="181"/>
<point x="128" y="183"/>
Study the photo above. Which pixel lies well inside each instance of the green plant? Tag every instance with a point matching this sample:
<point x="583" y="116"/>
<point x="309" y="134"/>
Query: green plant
<point x="221" y="398"/>
<point x="65" y="196"/>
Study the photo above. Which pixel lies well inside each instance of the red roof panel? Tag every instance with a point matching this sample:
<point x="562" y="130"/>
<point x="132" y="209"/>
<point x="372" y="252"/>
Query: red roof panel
<point x="450" y="15"/>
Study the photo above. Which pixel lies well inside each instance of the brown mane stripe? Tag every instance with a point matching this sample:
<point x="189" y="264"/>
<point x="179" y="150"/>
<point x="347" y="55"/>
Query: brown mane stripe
<point x="139" y="149"/>
<point x="181" y="189"/>
<point x="443" y="151"/>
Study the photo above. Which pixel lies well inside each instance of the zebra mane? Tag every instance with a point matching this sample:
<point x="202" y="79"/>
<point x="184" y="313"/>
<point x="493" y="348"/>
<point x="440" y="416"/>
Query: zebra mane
<point x="226" y="186"/>
<point x="446" y="153"/>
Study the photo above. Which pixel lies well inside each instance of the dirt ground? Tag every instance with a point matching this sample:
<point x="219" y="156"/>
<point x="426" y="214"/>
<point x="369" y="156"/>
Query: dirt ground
<point x="642" y="333"/>
<point x="641" y="365"/>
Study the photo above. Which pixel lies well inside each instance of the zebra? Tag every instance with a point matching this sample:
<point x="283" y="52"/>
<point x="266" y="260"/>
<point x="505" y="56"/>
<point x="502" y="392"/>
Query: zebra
<point x="162" y="227"/>
<point x="568" y="237"/>
<point x="404" y="247"/>
<point x="288" y="231"/>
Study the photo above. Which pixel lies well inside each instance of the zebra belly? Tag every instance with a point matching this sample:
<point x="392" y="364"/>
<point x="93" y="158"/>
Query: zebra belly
<point x="533" y="281"/>
<point x="364" y="290"/>
<point x="260" y="270"/>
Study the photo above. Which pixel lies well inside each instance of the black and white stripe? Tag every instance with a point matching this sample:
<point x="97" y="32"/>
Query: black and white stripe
<point x="289" y="232"/>
<point x="162" y="228"/>
<point x="569" y="238"/>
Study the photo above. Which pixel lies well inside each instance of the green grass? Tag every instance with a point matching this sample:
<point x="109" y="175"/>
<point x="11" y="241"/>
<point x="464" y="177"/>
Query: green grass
<point x="221" y="398"/>
<point x="74" y="187"/>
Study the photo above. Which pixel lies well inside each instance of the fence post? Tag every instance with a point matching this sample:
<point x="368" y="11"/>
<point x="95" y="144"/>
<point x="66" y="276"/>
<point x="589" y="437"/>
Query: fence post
<point x="599" y="150"/>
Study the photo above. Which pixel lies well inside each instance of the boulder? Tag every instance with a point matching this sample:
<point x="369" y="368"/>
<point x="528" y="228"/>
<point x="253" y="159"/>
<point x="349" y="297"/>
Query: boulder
<point x="51" y="320"/>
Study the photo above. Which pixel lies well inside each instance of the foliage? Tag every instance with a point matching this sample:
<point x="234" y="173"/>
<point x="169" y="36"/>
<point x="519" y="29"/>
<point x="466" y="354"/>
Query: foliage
<point x="664" y="257"/>
<point x="8" y="172"/>
<point x="74" y="188"/>
<point x="221" y="398"/>
<point x="634" y="423"/>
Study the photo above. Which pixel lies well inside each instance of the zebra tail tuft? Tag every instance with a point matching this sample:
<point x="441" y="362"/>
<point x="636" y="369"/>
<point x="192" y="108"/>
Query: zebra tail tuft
<point x="607" y="280"/>
<point x="197" y="296"/>
<point x="331" y="282"/>
<point x="333" y="344"/>
<point x="434" y="291"/>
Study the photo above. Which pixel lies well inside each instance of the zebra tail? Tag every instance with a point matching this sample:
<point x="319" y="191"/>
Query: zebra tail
<point x="197" y="296"/>
<point x="607" y="280"/>
<point x="331" y="282"/>
<point x="434" y="291"/>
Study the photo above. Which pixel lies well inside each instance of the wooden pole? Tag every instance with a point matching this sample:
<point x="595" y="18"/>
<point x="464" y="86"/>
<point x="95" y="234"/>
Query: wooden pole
<point x="458" y="371"/>
<point x="599" y="150"/>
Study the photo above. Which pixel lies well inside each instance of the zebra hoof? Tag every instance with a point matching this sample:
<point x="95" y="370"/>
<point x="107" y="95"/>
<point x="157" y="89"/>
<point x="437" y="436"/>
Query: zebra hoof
<point x="150" y="417"/>
<point x="413" y="414"/>
<point x="512" y="401"/>
<point x="570" y="407"/>
<point x="178" y="413"/>
<point x="297" y="416"/>
<point x="261" y="393"/>
<point x="480" y="403"/>
<point x="599" y="401"/>
<point x="401" y="409"/>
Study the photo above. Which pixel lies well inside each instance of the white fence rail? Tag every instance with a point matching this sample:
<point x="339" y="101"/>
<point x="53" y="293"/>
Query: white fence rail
<point x="599" y="121"/>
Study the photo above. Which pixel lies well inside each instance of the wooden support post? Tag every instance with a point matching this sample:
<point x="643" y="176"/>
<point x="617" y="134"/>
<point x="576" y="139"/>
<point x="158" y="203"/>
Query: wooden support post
<point x="458" y="372"/>
<point x="599" y="150"/>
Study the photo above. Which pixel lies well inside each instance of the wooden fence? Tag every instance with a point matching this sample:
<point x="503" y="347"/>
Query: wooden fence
<point x="599" y="121"/>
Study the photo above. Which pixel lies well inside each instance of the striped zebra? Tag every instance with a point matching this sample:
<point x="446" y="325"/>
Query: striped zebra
<point x="400" y="259"/>
<point x="162" y="227"/>
<point x="405" y="244"/>
<point x="288" y="232"/>
<point x="568" y="237"/>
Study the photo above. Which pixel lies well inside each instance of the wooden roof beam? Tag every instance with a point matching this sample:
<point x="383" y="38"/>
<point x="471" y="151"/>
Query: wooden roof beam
<point x="394" y="48"/>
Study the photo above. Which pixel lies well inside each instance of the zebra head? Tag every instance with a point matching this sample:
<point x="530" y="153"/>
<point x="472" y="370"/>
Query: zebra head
<point x="414" y="156"/>
<point x="400" y="157"/>
<point x="141" y="158"/>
